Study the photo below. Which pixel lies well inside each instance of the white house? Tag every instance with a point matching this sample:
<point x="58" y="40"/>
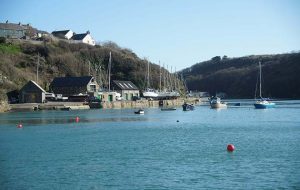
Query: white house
<point x="63" y="34"/>
<point x="84" y="38"/>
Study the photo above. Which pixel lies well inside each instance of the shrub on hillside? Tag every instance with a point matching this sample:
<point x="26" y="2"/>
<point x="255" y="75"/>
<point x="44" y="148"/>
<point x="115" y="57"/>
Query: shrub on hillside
<point x="2" y="40"/>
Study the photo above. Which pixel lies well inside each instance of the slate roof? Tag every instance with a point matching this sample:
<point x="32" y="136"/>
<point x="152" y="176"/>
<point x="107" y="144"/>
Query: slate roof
<point x="11" y="26"/>
<point x="79" y="36"/>
<point x="30" y="83"/>
<point x="60" y="32"/>
<point x="70" y="81"/>
<point x="38" y="86"/>
<point x="125" y="85"/>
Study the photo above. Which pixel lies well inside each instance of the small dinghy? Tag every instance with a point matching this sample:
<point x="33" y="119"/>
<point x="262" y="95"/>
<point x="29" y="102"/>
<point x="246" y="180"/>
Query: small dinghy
<point x="140" y="111"/>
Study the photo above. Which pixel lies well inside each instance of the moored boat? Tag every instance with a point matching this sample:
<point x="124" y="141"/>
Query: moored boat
<point x="140" y="111"/>
<point x="263" y="103"/>
<point x="188" y="107"/>
<point x="149" y="93"/>
<point x="168" y="109"/>
<point x="215" y="102"/>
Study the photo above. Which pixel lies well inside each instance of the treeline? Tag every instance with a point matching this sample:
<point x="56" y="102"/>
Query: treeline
<point x="237" y="77"/>
<point x="19" y="61"/>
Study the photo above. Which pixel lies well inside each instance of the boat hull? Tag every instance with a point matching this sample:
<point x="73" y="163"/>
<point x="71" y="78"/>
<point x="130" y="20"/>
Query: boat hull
<point x="141" y="112"/>
<point x="150" y="95"/>
<point x="264" y="106"/>
<point x="218" y="105"/>
<point x="168" y="109"/>
<point x="188" y="107"/>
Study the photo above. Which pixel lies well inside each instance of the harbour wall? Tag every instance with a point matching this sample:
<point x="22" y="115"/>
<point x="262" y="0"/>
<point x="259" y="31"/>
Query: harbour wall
<point x="103" y="105"/>
<point x="148" y="103"/>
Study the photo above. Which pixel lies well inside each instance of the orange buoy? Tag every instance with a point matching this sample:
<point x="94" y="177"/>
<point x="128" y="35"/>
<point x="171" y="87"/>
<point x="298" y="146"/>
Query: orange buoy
<point x="230" y="148"/>
<point x="77" y="119"/>
<point x="20" y="125"/>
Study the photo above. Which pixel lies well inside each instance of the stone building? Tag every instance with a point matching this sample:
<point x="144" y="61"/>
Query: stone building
<point x="127" y="89"/>
<point x="32" y="93"/>
<point x="10" y="30"/>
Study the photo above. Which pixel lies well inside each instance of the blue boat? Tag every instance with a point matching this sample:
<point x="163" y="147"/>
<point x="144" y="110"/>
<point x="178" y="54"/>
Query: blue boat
<point x="262" y="103"/>
<point x="188" y="107"/>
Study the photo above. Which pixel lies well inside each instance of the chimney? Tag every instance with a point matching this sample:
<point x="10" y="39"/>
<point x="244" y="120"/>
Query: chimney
<point x="88" y="32"/>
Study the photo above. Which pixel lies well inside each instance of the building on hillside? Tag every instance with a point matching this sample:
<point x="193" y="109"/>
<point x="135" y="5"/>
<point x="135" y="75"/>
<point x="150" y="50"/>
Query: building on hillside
<point x="18" y="31"/>
<point x="127" y="89"/>
<point x="68" y="86"/>
<point x="84" y="38"/>
<point x="63" y="34"/>
<point x="10" y="30"/>
<point x="41" y="33"/>
<point x="31" y="92"/>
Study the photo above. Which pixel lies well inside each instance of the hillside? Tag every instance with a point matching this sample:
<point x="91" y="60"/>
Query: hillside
<point x="237" y="77"/>
<point x="18" y="64"/>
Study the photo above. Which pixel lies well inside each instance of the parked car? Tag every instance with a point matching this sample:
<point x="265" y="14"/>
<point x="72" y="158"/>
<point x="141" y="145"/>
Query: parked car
<point x="50" y="96"/>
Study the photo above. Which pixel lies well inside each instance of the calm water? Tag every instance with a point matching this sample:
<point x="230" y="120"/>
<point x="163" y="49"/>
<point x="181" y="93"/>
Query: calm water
<point x="116" y="149"/>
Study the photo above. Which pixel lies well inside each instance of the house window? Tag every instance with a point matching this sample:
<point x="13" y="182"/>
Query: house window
<point x="93" y="88"/>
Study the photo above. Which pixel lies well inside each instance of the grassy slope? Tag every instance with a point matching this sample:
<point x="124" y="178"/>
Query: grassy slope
<point x="18" y="64"/>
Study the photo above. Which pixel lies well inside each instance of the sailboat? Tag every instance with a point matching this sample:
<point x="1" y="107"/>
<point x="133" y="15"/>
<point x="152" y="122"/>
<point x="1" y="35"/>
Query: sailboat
<point x="148" y="92"/>
<point x="263" y="103"/>
<point x="169" y="90"/>
<point x="112" y="94"/>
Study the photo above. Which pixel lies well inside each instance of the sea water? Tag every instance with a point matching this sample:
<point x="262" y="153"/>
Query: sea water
<point x="117" y="149"/>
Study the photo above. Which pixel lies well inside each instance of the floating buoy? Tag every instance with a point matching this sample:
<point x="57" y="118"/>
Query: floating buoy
<point x="230" y="148"/>
<point x="20" y="125"/>
<point x="77" y="119"/>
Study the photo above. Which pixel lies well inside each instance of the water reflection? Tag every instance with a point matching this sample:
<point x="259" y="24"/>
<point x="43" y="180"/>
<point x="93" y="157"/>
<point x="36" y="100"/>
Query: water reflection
<point x="45" y="121"/>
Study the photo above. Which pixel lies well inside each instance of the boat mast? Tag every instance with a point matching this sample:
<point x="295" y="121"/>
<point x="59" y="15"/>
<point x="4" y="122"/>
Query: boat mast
<point x="109" y="68"/>
<point x="171" y="79"/>
<point x="164" y="77"/>
<point x="159" y="77"/>
<point x="260" y="80"/>
<point x="148" y="75"/>
<point x="37" y="68"/>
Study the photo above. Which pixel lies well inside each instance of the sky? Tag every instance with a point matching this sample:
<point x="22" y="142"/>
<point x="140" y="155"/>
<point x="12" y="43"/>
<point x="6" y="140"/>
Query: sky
<point x="177" y="33"/>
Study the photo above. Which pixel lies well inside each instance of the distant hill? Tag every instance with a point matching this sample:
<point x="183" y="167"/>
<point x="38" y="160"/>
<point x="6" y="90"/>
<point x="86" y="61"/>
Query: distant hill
<point x="237" y="77"/>
<point x="19" y="58"/>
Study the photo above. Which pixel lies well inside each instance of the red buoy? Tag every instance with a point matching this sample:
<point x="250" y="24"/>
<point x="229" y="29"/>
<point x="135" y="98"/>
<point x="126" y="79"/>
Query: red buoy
<point x="230" y="148"/>
<point x="20" y="125"/>
<point x="77" y="119"/>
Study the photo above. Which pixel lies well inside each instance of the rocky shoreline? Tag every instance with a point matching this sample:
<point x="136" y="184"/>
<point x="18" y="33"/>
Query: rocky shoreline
<point x="4" y="106"/>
